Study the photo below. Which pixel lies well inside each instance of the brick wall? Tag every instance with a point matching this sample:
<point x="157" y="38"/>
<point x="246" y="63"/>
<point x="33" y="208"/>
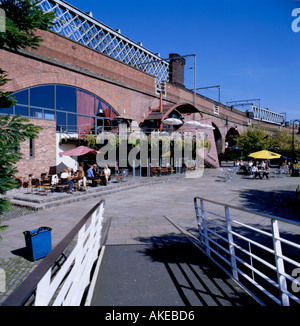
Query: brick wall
<point x="129" y="91"/>
<point x="44" y="150"/>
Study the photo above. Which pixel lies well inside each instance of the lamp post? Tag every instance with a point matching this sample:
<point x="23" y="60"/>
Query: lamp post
<point x="293" y="139"/>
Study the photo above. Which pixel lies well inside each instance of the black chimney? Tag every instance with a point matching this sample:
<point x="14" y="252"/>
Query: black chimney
<point x="177" y="69"/>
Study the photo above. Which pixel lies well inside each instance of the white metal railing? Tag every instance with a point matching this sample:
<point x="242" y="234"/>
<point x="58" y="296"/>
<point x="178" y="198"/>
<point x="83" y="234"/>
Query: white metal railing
<point x="266" y="115"/>
<point x="62" y="279"/>
<point x="255" y="256"/>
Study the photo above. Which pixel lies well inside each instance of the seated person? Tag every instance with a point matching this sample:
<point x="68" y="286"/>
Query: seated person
<point x="81" y="178"/>
<point x="256" y="172"/>
<point x="107" y="174"/>
<point x="250" y="165"/>
<point x="96" y="170"/>
<point x="266" y="171"/>
<point x="90" y="175"/>
<point x="66" y="179"/>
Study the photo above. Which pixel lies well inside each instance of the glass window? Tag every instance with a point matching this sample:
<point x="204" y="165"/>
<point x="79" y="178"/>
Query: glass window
<point x="113" y="114"/>
<point x="115" y="126"/>
<point x="72" y="122"/>
<point x="49" y="115"/>
<point x="36" y="113"/>
<point x="42" y="96"/>
<point x="85" y="125"/>
<point x="99" y="125"/>
<point x="85" y="103"/>
<point x="61" y="121"/>
<point x="73" y="109"/>
<point x="6" y="110"/>
<point x="22" y="97"/>
<point x="99" y="108"/>
<point x="22" y="110"/>
<point x="65" y="98"/>
<point x="107" y="124"/>
<point x="107" y="110"/>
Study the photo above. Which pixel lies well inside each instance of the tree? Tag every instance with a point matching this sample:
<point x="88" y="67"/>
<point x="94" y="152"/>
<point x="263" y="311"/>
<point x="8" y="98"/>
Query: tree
<point x="254" y="139"/>
<point x="23" y="18"/>
<point x="13" y="130"/>
<point x="282" y="140"/>
<point x="6" y="100"/>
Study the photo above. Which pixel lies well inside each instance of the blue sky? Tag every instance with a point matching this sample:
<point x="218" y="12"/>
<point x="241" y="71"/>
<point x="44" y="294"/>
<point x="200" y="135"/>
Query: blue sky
<point x="246" y="47"/>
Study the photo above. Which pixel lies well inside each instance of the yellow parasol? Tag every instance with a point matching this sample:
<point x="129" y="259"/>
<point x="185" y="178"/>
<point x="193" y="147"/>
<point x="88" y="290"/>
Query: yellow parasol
<point x="264" y="155"/>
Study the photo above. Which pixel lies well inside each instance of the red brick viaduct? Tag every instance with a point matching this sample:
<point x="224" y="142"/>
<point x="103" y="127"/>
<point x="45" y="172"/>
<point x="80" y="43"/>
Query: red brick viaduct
<point x="129" y="91"/>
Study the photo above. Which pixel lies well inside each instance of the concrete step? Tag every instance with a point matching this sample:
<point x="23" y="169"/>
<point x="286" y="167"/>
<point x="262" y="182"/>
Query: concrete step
<point x="52" y="200"/>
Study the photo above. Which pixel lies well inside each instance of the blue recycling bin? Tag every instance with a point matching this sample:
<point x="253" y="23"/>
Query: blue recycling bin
<point x="38" y="242"/>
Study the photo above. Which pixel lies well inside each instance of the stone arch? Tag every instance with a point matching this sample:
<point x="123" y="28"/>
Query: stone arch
<point x="231" y="137"/>
<point x="218" y="139"/>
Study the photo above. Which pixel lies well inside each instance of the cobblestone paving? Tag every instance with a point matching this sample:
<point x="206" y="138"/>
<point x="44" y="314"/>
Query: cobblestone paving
<point x="15" y="269"/>
<point x="14" y="212"/>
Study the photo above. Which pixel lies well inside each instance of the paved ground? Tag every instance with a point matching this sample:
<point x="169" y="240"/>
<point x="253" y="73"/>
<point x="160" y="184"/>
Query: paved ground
<point x="138" y="214"/>
<point x="167" y="271"/>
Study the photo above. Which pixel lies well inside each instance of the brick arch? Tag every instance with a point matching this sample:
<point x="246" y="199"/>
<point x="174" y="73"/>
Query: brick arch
<point x="64" y="77"/>
<point x="231" y="136"/>
<point x="218" y="138"/>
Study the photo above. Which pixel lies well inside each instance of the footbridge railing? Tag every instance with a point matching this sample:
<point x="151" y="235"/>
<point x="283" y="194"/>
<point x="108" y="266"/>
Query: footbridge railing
<point x="264" y="257"/>
<point x="64" y="276"/>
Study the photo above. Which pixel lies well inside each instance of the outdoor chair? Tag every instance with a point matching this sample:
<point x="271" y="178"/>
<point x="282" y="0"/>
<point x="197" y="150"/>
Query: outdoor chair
<point x="285" y="170"/>
<point x="279" y="173"/>
<point x="224" y="174"/>
<point x="54" y="179"/>
<point x="119" y="175"/>
<point x="164" y="171"/>
<point x="20" y="183"/>
<point x="63" y="184"/>
<point x="35" y="185"/>
<point x="154" y="171"/>
<point x="221" y="172"/>
<point x="43" y="176"/>
<point x="46" y="185"/>
<point x="228" y="174"/>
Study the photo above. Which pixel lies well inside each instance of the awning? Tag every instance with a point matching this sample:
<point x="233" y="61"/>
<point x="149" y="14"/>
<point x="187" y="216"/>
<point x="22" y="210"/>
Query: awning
<point x="79" y="151"/>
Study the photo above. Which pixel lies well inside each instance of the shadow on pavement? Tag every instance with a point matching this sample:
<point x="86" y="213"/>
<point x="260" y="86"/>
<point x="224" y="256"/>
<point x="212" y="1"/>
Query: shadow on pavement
<point x="281" y="203"/>
<point x="197" y="280"/>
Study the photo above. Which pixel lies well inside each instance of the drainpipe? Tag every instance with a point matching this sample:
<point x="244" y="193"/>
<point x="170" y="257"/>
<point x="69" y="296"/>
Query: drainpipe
<point x="160" y="110"/>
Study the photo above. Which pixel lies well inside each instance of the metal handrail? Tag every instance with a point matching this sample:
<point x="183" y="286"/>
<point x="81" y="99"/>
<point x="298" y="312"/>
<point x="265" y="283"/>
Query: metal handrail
<point x="28" y="288"/>
<point x="229" y="249"/>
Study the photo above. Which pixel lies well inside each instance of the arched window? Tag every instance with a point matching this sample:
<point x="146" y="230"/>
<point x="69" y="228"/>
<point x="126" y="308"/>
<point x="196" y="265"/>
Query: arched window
<point x="74" y="110"/>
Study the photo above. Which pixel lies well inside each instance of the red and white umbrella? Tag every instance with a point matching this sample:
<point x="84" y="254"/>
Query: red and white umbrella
<point x="79" y="151"/>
